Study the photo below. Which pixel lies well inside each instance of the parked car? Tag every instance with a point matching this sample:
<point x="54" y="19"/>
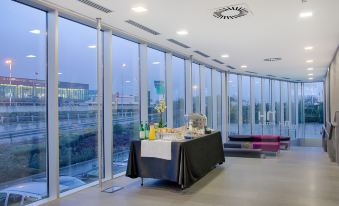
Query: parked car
<point x="27" y="193"/>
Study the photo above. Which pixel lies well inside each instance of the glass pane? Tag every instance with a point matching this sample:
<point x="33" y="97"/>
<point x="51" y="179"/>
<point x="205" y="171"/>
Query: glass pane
<point x="217" y="92"/>
<point x="277" y="109"/>
<point x="292" y="128"/>
<point x="300" y="111"/>
<point x="156" y="84"/>
<point x="314" y="106"/>
<point x="284" y="101"/>
<point x="208" y="97"/>
<point x="77" y="104"/>
<point x="178" y="87"/>
<point x="233" y="109"/>
<point x="126" y="106"/>
<point x="3" y="197"/>
<point x="258" y="110"/>
<point x="196" y="87"/>
<point x="246" y="105"/>
<point x="267" y="126"/>
<point x="23" y="126"/>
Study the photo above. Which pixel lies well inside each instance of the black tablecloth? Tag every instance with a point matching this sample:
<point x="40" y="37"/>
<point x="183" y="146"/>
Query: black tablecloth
<point x="190" y="160"/>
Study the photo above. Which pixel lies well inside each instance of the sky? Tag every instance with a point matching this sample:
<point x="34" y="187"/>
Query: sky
<point x="77" y="61"/>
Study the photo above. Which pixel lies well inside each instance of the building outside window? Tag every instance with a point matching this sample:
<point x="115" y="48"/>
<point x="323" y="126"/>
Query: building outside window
<point x="178" y="91"/>
<point x="208" y="97"/>
<point x="156" y="84"/>
<point x="313" y="109"/>
<point x="126" y="100"/>
<point x="196" y="87"/>
<point x="246" y="105"/>
<point x="77" y="116"/>
<point x="23" y="124"/>
<point x="233" y="105"/>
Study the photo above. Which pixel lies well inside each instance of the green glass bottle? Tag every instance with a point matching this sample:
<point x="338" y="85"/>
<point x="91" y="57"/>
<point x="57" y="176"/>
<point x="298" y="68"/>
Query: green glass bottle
<point x="141" y="132"/>
<point x="146" y="130"/>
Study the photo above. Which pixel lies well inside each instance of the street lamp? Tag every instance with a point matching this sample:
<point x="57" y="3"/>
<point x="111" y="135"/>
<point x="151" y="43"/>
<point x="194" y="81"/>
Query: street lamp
<point x="10" y="62"/>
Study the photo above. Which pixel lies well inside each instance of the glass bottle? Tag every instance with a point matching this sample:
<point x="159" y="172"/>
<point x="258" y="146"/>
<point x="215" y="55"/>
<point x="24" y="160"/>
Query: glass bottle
<point x="141" y="131"/>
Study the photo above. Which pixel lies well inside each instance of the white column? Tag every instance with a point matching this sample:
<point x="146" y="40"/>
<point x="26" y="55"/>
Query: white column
<point x="188" y="85"/>
<point x="107" y="111"/>
<point x="224" y="106"/>
<point x="202" y="90"/>
<point x="169" y="89"/>
<point x="214" y="100"/>
<point x="52" y="108"/>
<point x="143" y="82"/>
<point x="240" y="102"/>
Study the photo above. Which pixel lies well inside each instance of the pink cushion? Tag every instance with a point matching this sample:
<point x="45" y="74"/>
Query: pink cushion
<point x="266" y="138"/>
<point x="267" y="146"/>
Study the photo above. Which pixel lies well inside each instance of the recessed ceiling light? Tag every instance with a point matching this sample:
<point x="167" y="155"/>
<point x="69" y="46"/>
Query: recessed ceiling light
<point x="310" y="69"/>
<point x="124" y="65"/>
<point x="92" y="46"/>
<point x="35" y="31"/>
<point x="156" y="63"/>
<point x="182" y="32"/>
<point x="311" y="78"/>
<point x="311" y="74"/>
<point x="139" y="9"/>
<point x="225" y="56"/>
<point x="307" y="48"/>
<point x="31" y="56"/>
<point x="305" y="14"/>
<point x="309" y="61"/>
<point x="128" y="81"/>
<point x="243" y="66"/>
<point x="60" y="73"/>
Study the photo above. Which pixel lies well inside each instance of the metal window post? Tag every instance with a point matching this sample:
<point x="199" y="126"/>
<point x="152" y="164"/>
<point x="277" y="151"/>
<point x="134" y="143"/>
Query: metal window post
<point x="202" y="89"/>
<point x="224" y="105"/>
<point x="188" y="85"/>
<point x="52" y="105"/>
<point x="143" y="82"/>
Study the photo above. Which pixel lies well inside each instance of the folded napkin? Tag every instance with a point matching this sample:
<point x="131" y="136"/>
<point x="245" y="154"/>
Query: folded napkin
<point x="156" y="148"/>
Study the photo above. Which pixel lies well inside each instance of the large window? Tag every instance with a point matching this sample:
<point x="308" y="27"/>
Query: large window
<point x="77" y="104"/>
<point x="217" y="93"/>
<point x="246" y="105"/>
<point x="208" y="97"/>
<point x="293" y="115"/>
<point x="156" y="84"/>
<point x="178" y="88"/>
<point x="23" y="133"/>
<point x="285" y="120"/>
<point x="196" y="87"/>
<point x="258" y="110"/>
<point x="267" y="96"/>
<point x="126" y="107"/>
<point x="277" y="107"/>
<point x="233" y="105"/>
<point x="313" y="108"/>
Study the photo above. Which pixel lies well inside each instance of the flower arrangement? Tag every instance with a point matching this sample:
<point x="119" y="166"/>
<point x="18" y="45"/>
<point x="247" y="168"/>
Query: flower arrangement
<point x="161" y="108"/>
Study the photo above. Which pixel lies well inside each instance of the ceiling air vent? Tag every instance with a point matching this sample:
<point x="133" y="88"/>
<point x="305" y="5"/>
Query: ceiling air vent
<point x="142" y="27"/>
<point x="215" y="60"/>
<point x="230" y="67"/>
<point x="202" y="54"/>
<point x="96" y="6"/>
<point x="269" y="75"/>
<point x="231" y="12"/>
<point x="286" y="78"/>
<point x="274" y="59"/>
<point x="250" y="72"/>
<point x="178" y="43"/>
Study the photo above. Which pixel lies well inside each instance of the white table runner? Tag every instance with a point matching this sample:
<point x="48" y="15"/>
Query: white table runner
<point x="161" y="149"/>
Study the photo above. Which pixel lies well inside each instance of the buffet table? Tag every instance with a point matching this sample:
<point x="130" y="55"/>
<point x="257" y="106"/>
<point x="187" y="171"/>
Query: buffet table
<point x="190" y="160"/>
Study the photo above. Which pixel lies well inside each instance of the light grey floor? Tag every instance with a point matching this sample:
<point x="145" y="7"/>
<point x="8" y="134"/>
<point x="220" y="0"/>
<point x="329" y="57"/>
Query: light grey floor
<point x="301" y="176"/>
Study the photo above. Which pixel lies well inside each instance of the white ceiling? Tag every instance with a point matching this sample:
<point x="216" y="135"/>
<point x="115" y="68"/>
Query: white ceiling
<point x="273" y="29"/>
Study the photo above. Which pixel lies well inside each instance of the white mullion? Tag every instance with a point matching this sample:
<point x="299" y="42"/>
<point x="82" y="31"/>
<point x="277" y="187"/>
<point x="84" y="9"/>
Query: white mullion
<point x="143" y="82"/>
<point x="169" y="88"/>
<point x="214" y="100"/>
<point x="252" y="104"/>
<point x="223" y="105"/>
<point x="188" y="85"/>
<point x="52" y="105"/>
<point x="240" y="103"/>
<point x="107" y="100"/>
